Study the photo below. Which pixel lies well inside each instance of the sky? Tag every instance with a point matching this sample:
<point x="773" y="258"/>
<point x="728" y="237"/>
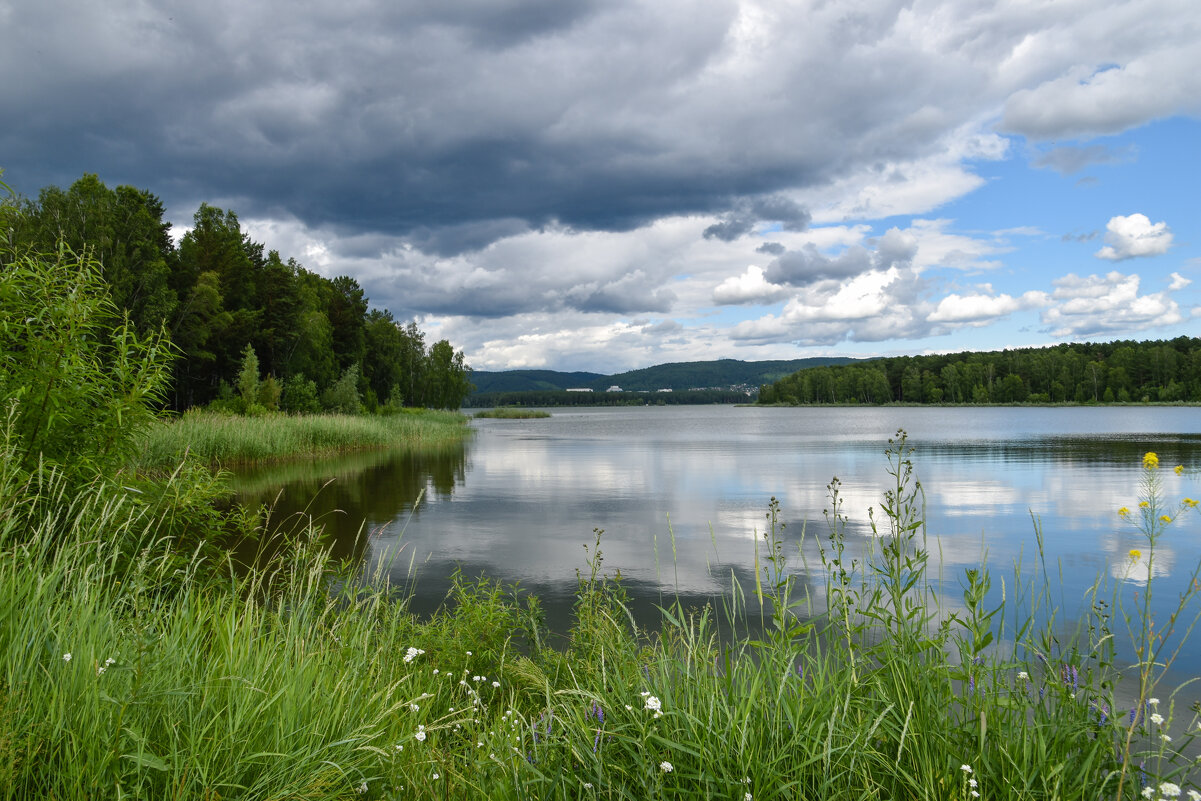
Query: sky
<point x="605" y="185"/>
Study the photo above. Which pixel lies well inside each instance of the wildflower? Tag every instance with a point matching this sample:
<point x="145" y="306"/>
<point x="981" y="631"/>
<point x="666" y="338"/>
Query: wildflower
<point x="971" y="783"/>
<point x="1152" y="702"/>
<point x="966" y="768"/>
<point x="400" y="747"/>
<point x="496" y="684"/>
<point x="1150" y="460"/>
<point x="1157" y="719"/>
<point x="414" y="707"/>
<point x="747" y="797"/>
<point x="1135" y="554"/>
<point x="666" y="766"/>
<point x="653" y="703"/>
<point x="975" y="794"/>
<point x="362" y="788"/>
<point x="1194" y="795"/>
<point x="1143" y="504"/>
<point x="435" y="671"/>
<point x="436" y="776"/>
<point x="100" y="670"/>
<point x="66" y="657"/>
<point x="1148" y="792"/>
<point x="1023" y="675"/>
<point x="469" y="653"/>
<point x="412" y="653"/>
<point x="1189" y="502"/>
<point x="587" y="785"/>
<point x="1167" y="738"/>
<point x="1170" y="790"/>
<point x="1166" y="518"/>
<point x="420" y="735"/>
<point x="1179" y="469"/>
<point x="1124" y="512"/>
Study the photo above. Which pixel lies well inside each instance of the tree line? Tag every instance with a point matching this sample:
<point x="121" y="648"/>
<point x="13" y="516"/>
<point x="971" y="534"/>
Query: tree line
<point x="251" y="329"/>
<point x="1163" y="371"/>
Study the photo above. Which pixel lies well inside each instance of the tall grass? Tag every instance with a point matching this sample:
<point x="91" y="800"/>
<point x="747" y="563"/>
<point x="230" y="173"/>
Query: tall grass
<point x="127" y="671"/>
<point x="218" y="439"/>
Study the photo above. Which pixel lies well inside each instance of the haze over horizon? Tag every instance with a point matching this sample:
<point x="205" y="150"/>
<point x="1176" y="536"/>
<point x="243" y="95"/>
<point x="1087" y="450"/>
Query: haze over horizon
<point x="604" y="186"/>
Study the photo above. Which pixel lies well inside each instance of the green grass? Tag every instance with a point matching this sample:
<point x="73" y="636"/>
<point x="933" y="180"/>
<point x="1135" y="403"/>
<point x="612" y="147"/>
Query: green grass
<point x="511" y="413"/>
<point x="218" y="439"/>
<point x="306" y="683"/>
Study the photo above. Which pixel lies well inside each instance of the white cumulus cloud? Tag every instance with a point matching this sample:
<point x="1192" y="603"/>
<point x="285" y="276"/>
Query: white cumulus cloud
<point x="1108" y="305"/>
<point x="1132" y="236"/>
<point x="750" y="287"/>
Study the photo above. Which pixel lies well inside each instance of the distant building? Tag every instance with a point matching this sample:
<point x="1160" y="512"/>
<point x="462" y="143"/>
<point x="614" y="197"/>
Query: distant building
<point x="664" y="390"/>
<point x="614" y="388"/>
<point x="579" y="389"/>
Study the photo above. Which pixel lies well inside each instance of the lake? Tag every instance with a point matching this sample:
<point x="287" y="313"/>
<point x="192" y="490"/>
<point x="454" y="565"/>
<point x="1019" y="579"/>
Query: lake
<point x="681" y="493"/>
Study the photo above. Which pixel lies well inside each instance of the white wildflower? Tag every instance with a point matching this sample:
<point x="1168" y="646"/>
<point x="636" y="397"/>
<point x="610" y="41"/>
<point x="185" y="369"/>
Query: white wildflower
<point x="587" y="785"/>
<point x="1194" y="795"/>
<point x="413" y="653"/>
<point x="496" y="684"/>
<point x="966" y="768"/>
<point x="1154" y="702"/>
<point x="1157" y="719"/>
<point x="666" y="766"/>
<point x="362" y="788"/>
<point x="420" y="735"/>
<point x="1023" y="675"/>
<point x="1169" y="790"/>
<point x="66" y="657"/>
<point x="653" y="703"/>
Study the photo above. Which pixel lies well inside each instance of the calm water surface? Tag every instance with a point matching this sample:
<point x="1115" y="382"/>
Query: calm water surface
<point x="521" y="498"/>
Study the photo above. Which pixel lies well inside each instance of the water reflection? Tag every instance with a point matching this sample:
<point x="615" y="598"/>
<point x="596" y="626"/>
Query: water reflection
<point x="354" y="496"/>
<point x="681" y="494"/>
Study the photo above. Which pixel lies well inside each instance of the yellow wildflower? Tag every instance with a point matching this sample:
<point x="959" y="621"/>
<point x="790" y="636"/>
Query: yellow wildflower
<point x="1150" y="460"/>
<point x="1166" y="518"/>
<point x="1135" y="554"/>
<point x="1143" y="504"/>
<point x="1123" y="512"/>
<point x="1190" y="502"/>
<point x="1179" y="469"/>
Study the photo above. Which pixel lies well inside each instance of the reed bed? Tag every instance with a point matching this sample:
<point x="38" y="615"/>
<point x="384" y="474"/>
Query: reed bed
<point x="219" y="439"/>
<point x="512" y="413"/>
<point x="130" y="669"/>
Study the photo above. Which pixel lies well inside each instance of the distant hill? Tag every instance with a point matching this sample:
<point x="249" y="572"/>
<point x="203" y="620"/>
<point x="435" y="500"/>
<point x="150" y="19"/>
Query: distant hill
<point x="722" y="373"/>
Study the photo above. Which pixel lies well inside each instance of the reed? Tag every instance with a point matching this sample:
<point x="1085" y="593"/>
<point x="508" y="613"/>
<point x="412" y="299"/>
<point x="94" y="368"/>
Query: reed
<point x="219" y="439"/>
<point x="130" y="669"/>
<point x="512" y="413"/>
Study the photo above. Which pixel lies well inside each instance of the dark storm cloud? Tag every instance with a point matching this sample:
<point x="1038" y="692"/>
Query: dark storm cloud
<point x="805" y="266"/>
<point x="771" y="248"/>
<point x="747" y="213"/>
<point x="443" y="120"/>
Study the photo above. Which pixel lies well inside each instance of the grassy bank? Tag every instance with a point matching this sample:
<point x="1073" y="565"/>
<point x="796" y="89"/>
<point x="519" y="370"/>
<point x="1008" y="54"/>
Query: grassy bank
<point x="130" y="670"/>
<point x="510" y="413"/>
<point x="218" y="439"/>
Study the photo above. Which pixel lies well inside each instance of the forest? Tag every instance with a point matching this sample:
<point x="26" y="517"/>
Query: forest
<point x="251" y="330"/>
<point x="1111" y="372"/>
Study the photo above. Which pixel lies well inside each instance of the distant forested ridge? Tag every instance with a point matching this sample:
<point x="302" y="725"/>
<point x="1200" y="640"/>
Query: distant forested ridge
<point x="554" y="397"/>
<point x="719" y="374"/>
<point x="232" y="308"/>
<point x="1163" y="371"/>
